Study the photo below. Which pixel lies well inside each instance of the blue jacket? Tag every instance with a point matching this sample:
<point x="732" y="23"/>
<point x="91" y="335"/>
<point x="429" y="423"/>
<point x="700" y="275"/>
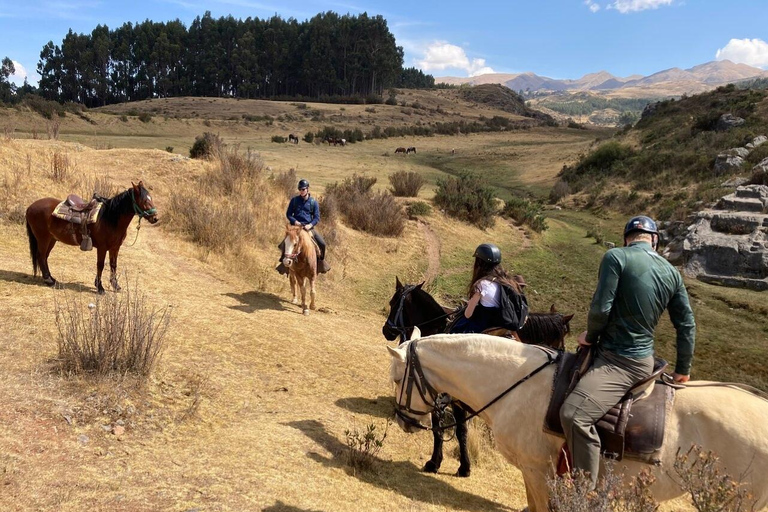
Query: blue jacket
<point x="305" y="211"/>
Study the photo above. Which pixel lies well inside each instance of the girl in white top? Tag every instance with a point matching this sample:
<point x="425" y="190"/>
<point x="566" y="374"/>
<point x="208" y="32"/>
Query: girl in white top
<point x="484" y="308"/>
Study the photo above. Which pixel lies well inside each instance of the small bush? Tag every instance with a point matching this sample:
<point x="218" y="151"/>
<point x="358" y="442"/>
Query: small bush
<point x="124" y="118"/>
<point x="278" y="139"/>
<point x="237" y="171"/>
<point x="60" y="167"/>
<point x="309" y="137"/>
<point x="570" y="493"/>
<point x="207" y="145"/>
<point x="418" y="209"/>
<point x="406" y="184"/>
<point x="370" y="110"/>
<point x="286" y="182"/>
<point x="53" y="128"/>
<point x="596" y="232"/>
<point x="363" y="447"/>
<point x="169" y="149"/>
<point x="207" y="122"/>
<point x="375" y="213"/>
<point x="526" y="212"/>
<point x="119" y="333"/>
<point x="467" y="197"/>
<point x="145" y="117"/>
<point x="559" y="191"/>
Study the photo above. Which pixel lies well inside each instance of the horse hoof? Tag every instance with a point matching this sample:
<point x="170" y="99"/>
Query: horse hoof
<point x="294" y="300"/>
<point x="306" y="312"/>
<point x="49" y="281"/>
<point x="430" y="467"/>
<point x="116" y="287"/>
<point x="313" y="307"/>
<point x="463" y="473"/>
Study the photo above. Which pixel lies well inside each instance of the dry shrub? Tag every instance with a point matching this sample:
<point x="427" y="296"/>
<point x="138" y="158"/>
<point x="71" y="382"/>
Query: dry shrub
<point x="207" y="145"/>
<point x="119" y="333"/>
<point x="375" y="213"/>
<point x="329" y="215"/>
<point x="61" y="168"/>
<point x="363" y="447"/>
<point x="237" y="172"/>
<point x="286" y="181"/>
<point x="406" y="184"/>
<point x="480" y="443"/>
<point x="559" y="191"/>
<point x="710" y="488"/>
<point x="570" y="493"/>
<point x="54" y="125"/>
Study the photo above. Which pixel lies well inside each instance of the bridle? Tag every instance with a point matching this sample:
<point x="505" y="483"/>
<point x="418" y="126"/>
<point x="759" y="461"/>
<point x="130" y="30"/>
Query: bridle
<point x="295" y="255"/>
<point x="139" y="210"/>
<point x="398" y="324"/>
<point x="437" y="402"/>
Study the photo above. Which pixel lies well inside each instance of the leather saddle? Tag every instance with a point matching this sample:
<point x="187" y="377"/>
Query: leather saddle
<point x="634" y="427"/>
<point x="78" y="211"/>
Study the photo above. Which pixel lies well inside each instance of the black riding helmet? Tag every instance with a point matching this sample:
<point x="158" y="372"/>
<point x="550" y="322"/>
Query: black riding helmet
<point x="303" y="184"/>
<point x="488" y="253"/>
<point x="641" y="223"/>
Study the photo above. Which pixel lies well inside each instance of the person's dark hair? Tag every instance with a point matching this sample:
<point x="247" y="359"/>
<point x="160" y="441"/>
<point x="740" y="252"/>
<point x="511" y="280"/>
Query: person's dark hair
<point x="486" y="270"/>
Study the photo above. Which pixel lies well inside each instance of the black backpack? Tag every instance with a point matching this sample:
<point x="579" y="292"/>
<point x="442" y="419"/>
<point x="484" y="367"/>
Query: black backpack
<point x="514" y="308"/>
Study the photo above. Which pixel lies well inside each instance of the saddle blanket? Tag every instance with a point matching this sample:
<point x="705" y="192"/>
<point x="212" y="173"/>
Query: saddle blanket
<point x="64" y="211"/>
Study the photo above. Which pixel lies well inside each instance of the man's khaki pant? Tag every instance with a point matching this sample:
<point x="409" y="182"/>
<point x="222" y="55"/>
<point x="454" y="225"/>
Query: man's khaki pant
<point x="599" y="389"/>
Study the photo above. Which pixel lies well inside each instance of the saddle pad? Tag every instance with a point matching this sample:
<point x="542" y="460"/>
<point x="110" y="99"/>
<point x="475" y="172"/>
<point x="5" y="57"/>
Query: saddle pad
<point x="65" y="212"/>
<point x="632" y="429"/>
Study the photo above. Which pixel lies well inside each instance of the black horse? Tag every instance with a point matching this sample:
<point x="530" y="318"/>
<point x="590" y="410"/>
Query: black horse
<point x="293" y="138"/>
<point x="411" y="307"/>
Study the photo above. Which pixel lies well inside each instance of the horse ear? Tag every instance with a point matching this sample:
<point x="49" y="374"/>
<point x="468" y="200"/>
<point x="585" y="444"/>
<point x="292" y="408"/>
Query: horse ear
<point x="416" y="334"/>
<point x="418" y="286"/>
<point x="398" y="284"/>
<point x="133" y="184"/>
<point x="567" y="319"/>
<point x="397" y="354"/>
<point x="552" y="309"/>
<point x="141" y="184"/>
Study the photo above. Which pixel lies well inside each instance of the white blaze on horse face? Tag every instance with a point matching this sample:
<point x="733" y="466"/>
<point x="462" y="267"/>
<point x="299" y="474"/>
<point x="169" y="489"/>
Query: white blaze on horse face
<point x="290" y="249"/>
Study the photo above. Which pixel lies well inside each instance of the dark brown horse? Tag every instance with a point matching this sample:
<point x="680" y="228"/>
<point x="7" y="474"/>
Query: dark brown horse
<point x="107" y="233"/>
<point x="411" y="307"/>
<point x="400" y="150"/>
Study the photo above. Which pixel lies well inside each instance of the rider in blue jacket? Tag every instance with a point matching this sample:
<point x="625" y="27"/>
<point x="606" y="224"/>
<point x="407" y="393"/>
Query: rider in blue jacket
<point x="303" y="210"/>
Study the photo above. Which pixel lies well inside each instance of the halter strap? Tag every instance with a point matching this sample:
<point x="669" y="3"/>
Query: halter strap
<point x="398" y="324"/>
<point x="137" y="209"/>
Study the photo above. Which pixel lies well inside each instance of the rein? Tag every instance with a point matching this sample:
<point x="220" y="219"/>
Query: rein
<point x="398" y="324"/>
<point x="413" y="370"/>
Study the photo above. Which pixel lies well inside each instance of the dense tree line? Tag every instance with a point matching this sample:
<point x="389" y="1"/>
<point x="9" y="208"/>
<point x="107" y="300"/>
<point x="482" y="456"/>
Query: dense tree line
<point x="327" y="56"/>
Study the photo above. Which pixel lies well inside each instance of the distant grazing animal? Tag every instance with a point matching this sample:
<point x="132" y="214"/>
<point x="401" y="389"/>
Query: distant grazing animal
<point x="107" y="233"/>
<point x="293" y="138"/>
<point x="401" y="150"/>
<point x="343" y="142"/>
<point x="412" y="307"/>
<point x="335" y="141"/>
<point x="453" y="151"/>
<point x="300" y="258"/>
<point x="410" y="150"/>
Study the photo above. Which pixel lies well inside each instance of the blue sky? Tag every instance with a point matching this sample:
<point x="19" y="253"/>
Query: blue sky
<point x="555" y="38"/>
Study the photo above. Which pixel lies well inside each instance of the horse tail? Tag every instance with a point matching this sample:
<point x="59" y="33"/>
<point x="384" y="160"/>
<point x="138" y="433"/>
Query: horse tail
<point x="32" y="248"/>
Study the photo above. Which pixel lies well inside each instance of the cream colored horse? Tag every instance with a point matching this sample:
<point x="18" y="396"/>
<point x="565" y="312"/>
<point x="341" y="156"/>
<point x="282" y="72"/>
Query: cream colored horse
<point x="476" y="368"/>
<point x="300" y="258"/>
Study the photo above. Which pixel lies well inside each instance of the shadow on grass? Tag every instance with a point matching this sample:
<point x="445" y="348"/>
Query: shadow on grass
<point x="416" y="486"/>
<point x="253" y="300"/>
<point x="28" y="279"/>
<point x="279" y="506"/>
<point x="380" y="407"/>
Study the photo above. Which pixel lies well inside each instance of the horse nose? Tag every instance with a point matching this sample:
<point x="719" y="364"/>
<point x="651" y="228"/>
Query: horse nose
<point x="287" y="262"/>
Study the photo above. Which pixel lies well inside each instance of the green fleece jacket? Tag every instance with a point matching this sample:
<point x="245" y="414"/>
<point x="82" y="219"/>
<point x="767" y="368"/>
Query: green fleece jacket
<point x="634" y="287"/>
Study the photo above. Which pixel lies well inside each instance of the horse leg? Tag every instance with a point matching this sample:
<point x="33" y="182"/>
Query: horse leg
<point x="101" y="254"/>
<point x="433" y="464"/>
<point x="42" y="258"/>
<point x="113" y="268"/>
<point x="303" y="286"/>
<point x="312" y="293"/>
<point x="292" y="279"/>
<point x="536" y="489"/>
<point x="460" y="415"/>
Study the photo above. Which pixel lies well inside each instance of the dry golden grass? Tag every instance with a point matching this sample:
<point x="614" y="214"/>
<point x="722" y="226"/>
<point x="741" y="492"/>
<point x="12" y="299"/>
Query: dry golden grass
<point x="248" y="407"/>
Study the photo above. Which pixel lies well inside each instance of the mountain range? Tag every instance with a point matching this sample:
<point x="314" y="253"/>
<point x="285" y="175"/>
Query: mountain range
<point x="669" y="82"/>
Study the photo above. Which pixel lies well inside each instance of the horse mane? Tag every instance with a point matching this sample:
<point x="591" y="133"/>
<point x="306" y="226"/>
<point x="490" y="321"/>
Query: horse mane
<point x="542" y="327"/>
<point x="306" y="246"/>
<point x="117" y="206"/>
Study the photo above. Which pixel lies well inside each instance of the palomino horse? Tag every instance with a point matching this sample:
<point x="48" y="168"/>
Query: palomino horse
<point x="516" y="380"/>
<point x="411" y="307"/>
<point x="300" y="258"/>
<point x="107" y="233"/>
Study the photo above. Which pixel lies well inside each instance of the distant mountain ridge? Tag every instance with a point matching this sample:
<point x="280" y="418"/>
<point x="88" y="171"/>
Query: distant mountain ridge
<point x="670" y="81"/>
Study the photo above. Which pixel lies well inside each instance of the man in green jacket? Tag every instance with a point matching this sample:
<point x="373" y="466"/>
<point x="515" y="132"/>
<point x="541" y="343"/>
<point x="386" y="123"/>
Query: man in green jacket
<point x="635" y="286"/>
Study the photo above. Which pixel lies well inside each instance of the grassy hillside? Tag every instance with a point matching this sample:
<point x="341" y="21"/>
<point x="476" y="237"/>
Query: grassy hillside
<point x="249" y="406"/>
<point x="665" y="163"/>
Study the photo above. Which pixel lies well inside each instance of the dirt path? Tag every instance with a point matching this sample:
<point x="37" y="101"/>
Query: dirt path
<point x="433" y="252"/>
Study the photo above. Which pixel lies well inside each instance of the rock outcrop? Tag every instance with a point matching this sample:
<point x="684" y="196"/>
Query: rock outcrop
<point x="727" y="245"/>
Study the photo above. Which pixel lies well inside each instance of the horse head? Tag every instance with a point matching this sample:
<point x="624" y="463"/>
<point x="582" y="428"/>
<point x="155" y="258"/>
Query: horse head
<point x="142" y="203"/>
<point x="411" y="306"/>
<point x="412" y="392"/>
<point x="297" y="245"/>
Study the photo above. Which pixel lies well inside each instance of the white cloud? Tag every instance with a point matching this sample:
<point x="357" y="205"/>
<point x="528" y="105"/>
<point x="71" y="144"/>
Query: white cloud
<point x="441" y="55"/>
<point x="20" y="73"/>
<point x="745" y="51"/>
<point x="625" y="6"/>
<point x="592" y="5"/>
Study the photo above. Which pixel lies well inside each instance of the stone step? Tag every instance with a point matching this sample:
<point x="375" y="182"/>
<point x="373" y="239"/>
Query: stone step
<point x="752" y="191"/>
<point x="741" y="204"/>
<point x="758" y="285"/>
